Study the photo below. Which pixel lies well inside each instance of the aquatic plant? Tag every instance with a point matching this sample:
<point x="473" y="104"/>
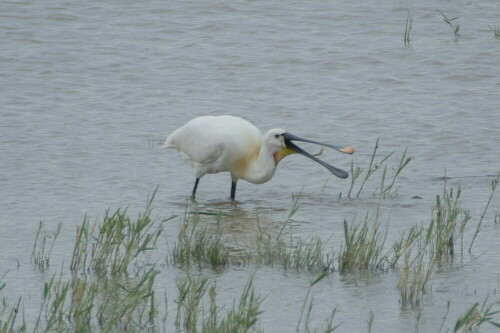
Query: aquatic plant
<point x="110" y="304"/>
<point x="409" y="25"/>
<point x="40" y="256"/>
<point x="9" y="315"/>
<point x="363" y="248"/>
<point x="386" y="190"/>
<point x="304" y="256"/>
<point x="370" y="322"/>
<point x="429" y="245"/>
<point x="202" y="244"/>
<point x="330" y="327"/>
<point x="496" y="30"/>
<point x="448" y="223"/>
<point x="494" y="184"/>
<point x="190" y="293"/>
<point x="414" y="278"/>
<point x="117" y="295"/>
<point x="475" y="317"/>
<point x="356" y="171"/>
<point x="454" y="27"/>
<point x="199" y="245"/>
<point x="405" y="243"/>
<point x="242" y="317"/>
<point x="293" y="254"/>
<point x="386" y="187"/>
<point x="112" y="286"/>
<point x="112" y="246"/>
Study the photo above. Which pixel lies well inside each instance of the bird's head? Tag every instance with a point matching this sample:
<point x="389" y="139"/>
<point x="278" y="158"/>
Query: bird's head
<point x="275" y="142"/>
<point x="280" y="143"/>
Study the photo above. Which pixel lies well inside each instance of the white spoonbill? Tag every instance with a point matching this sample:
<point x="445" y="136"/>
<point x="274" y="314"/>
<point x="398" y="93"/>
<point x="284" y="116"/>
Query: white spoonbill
<point x="215" y="144"/>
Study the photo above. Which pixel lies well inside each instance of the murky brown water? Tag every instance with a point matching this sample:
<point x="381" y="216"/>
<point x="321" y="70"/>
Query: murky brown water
<point x="90" y="89"/>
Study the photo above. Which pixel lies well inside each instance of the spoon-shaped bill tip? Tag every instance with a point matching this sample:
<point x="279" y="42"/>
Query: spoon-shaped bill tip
<point x="347" y="150"/>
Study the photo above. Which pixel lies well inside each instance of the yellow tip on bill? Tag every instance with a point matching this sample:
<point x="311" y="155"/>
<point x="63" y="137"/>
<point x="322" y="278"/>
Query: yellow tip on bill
<point x="347" y="150"/>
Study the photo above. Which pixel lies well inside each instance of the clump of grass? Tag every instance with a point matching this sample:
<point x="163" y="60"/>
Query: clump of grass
<point x="298" y="255"/>
<point x="120" y="294"/>
<point x="305" y="256"/>
<point x="113" y="245"/>
<point x="40" y="255"/>
<point x="454" y="27"/>
<point x="475" y="317"/>
<point x="81" y="247"/>
<point x="129" y="304"/>
<point x="432" y="244"/>
<point x="494" y="184"/>
<point x="409" y="25"/>
<point x="405" y="244"/>
<point x="106" y="304"/>
<point x="448" y="222"/>
<point x="370" y="322"/>
<point x="9" y="315"/>
<point x="191" y="291"/>
<point x="330" y="327"/>
<point x="414" y="277"/>
<point x="111" y="288"/>
<point x="356" y="171"/>
<point x="83" y="299"/>
<point x="120" y="240"/>
<point x="199" y="246"/>
<point x="496" y="30"/>
<point x="363" y="249"/>
<point x="202" y="244"/>
<point x="55" y="296"/>
<point x="386" y="188"/>
<point x="243" y="316"/>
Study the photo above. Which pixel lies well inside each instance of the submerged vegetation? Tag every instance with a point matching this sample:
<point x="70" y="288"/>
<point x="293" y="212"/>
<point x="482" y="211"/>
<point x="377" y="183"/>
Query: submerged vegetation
<point x="450" y="21"/>
<point x="242" y="317"/>
<point x="199" y="245"/>
<point x="409" y="25"/>
<point x="496" y="30"/>
<point x="112" y="281"/>
<point x="361" y="175"/>
<point x="363" y="248"/>
<point x="40" y="255"/>
<point x="475" y="317"/>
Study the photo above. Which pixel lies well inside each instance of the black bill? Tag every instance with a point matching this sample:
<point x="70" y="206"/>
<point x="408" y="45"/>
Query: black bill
<point x="336" y="171"/>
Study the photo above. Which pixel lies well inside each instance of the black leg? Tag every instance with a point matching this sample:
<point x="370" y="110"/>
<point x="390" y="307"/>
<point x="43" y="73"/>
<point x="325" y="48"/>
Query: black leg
<point x="233" y="190"/>
<point x="193" y="195"/>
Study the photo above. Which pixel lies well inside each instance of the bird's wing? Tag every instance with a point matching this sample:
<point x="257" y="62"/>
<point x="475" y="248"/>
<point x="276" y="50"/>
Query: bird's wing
<point x="198" y="143"/>
<point x="214" y="142"/>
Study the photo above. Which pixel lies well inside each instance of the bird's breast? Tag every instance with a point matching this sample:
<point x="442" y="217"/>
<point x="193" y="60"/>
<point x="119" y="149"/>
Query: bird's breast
<point x="243" y="163"/>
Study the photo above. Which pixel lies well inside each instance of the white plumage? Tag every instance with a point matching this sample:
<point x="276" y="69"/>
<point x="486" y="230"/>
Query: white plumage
<point x="214" y="144"/>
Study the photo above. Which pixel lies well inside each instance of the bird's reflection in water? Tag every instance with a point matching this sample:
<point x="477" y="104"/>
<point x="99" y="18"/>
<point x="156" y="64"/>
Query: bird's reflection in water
<point x="242" y="226"/>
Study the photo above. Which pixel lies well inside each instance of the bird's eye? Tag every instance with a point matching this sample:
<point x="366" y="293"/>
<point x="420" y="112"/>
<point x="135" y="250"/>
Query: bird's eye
<point x="276" y="136"/>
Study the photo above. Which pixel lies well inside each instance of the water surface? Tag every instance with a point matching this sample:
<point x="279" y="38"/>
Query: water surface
<point x="91" y="89"/>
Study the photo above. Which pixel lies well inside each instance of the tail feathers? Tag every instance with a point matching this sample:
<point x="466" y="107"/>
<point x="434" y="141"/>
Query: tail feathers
<point x="169" y="143"/>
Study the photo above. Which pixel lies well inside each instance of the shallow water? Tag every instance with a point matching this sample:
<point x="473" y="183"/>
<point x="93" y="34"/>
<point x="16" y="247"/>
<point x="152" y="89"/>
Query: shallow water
<point x="91" y="89"/>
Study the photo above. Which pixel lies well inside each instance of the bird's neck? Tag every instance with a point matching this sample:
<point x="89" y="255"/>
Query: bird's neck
<point x="262" y="168"/>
